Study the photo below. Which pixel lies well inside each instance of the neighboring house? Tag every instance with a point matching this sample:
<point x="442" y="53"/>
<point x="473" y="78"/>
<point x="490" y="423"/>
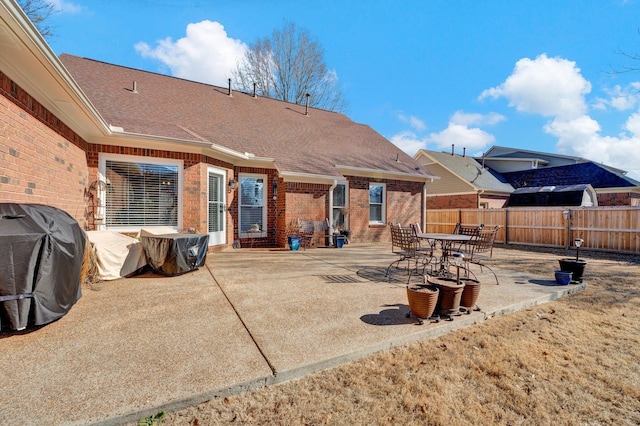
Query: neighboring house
<point x="504" y="160"/>
<point x="611" y="188"/>
<point x="123" y="149"/>
<point x="463" y="182"/>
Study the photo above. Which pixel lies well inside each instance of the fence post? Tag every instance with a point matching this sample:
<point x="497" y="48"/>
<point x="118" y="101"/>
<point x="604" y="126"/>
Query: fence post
<point x="506" y="226"/>
<point x="567" y="218"/>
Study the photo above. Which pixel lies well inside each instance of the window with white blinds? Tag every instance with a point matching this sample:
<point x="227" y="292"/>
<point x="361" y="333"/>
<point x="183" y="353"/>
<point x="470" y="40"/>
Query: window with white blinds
<point x="253" y="209"/>
<point x="377" y="210"/>
<point x="141" y="193"/>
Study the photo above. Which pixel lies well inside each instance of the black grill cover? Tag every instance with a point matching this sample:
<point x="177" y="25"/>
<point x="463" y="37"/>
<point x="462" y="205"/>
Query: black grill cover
<point x="175" y="254"/>
<point x="41" y="252"/>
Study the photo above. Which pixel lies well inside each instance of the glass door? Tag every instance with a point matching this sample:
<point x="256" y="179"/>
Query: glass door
<point x="217" y="216"/>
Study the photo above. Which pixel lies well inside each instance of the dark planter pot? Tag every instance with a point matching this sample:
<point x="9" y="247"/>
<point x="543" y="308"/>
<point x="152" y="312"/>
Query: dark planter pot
<point x="574" y="266"/>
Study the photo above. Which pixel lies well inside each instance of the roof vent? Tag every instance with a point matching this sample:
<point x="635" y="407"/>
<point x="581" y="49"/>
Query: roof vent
<point x="549" y="188"/>
<point x="464" y="152"/>
<point x="135" y="87"/>
<point x="255" y="93"/>
<point x="306" y="109"/>
<point x="230" y="92"/>
<point x="452" y="147"/>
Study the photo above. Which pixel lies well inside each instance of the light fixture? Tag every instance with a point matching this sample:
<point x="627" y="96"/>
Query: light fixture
<point x="274" y="187"/>
<point x="578" y="243"/>
<point x="233" y="184"/>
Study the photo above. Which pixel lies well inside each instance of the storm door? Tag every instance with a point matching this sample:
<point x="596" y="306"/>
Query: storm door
<point x="217" y="222"/>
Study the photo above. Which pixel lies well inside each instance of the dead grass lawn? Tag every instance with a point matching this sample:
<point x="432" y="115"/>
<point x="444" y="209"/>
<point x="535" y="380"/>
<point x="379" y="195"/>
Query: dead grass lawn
<point x="572" y="361"/>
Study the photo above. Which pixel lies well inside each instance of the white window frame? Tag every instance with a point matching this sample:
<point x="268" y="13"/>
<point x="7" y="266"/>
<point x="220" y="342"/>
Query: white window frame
<point x="102" y="170"/>
<point x="265" y="205"/>
<point x="384" y="204"/>
<point x="346" y="204"/>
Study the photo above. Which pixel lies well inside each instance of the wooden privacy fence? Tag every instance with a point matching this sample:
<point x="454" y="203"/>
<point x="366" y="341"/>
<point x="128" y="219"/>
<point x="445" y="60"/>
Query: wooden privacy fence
<point x="601" y="228"/>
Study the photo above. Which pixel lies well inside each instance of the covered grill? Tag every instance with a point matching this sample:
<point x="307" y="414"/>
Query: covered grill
<point x="41" y="253"/>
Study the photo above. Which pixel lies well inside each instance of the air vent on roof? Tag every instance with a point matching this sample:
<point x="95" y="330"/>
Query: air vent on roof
<point x="255" y="94"/>
<point x="230" y="92"/>
<point x="135" y="87"/>
<point x="306" y="109"/>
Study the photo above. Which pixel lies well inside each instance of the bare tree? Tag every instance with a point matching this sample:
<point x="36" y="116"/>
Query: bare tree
<point x="289" y="65"/>
<point x="38" y="11"/>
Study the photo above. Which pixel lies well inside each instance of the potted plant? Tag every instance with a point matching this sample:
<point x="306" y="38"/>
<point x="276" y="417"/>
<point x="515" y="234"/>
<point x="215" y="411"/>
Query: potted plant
<point x="575" y="266"/>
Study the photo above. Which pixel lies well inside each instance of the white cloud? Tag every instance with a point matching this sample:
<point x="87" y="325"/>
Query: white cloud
<point x="461" y="136"/>
<point x="459" y="132"/>
<point x="409" y="142"/>
<point x="65" y="6"/>
<point x="205" y="54"/>
<point x="469" y="119"/>
<point x="552" y="87"/>
<point x="555" y="88"/>
<point x="414" y="122"/>
<point x="620" y="98"/>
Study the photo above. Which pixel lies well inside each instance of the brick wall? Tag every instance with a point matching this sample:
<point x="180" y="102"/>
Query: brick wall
<point x="617" y="199"/>
<point x="42" y="160"/>
<point x="466" y="201"/>
<point x="403" y="205"/>
<point x="304" y="201"/>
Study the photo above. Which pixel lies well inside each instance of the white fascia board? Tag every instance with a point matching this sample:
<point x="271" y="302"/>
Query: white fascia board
<point x="384" y="174"/>
<point x="431" y="194"/>
<point x="309" y="178"/>
<point x="36" y="69"/>
<point x="121" y="138"/>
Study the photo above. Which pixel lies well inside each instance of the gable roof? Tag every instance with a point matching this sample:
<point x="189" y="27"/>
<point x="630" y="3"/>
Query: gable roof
<point x="169" y="107"/>
<point x="581" y="173"/>
<point x="467" y="169"/>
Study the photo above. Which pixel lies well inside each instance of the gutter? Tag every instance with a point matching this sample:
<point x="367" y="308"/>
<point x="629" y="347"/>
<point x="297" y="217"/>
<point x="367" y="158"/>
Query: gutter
<point x="385" y="174"/>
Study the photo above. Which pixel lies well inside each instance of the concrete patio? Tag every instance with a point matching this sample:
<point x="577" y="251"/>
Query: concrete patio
<point x="252" y="317"/>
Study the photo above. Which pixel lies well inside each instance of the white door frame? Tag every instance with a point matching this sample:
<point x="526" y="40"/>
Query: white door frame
<point x="218" y="237"/>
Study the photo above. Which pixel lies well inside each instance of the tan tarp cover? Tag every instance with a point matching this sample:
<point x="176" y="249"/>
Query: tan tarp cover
<point x="117" y="255"/>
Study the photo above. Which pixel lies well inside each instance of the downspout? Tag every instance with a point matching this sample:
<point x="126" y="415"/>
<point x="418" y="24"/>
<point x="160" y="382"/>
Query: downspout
<point x="331" y="188"/>
<point x="424" y="207"/>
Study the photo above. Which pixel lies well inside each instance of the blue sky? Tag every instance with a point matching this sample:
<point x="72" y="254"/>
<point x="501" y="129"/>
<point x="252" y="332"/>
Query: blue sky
<point x="425" y="74"/>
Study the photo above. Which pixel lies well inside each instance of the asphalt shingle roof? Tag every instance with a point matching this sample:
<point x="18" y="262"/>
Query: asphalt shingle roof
<point x="581" y="173"/>
<point x="185" y="110"/>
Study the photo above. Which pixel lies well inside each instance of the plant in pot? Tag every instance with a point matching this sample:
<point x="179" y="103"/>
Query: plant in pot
<point x="575" y="266"/>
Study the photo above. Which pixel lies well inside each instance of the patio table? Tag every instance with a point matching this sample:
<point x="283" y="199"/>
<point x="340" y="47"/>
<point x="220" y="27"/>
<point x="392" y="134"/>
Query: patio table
<point x="445" y="241"/>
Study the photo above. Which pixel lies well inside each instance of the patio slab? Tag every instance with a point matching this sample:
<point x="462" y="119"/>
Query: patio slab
<point x="248" y="319"/>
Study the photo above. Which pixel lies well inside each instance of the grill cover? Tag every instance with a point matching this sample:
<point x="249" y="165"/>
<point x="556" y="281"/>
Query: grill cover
<point x="41" y="253"/>
<point x="175" y="254"/>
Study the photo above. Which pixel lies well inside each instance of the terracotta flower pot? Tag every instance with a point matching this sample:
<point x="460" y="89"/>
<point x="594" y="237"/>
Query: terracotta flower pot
<point x="423" y="300"/>
<point x="470" y="292"/>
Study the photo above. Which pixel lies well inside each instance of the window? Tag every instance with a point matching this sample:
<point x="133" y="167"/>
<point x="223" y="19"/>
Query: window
<point x="253" y="209"/>
<point x="141" y="191"/>
<point x="340" y="206"/>
<point x="377" y="203"/>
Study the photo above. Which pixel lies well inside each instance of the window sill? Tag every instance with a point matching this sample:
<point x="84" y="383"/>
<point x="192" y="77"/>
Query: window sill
<point x="253" y="234"/>
<point x="377" y="225"/>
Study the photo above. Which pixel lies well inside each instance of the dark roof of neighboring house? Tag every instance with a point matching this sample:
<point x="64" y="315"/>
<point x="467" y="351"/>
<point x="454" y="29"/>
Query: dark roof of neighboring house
<point x="185" y="110"/>
<point x="581" y="173"/>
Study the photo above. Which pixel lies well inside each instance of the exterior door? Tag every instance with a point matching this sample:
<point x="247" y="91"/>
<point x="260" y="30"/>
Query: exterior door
<point x="217" y="211"/>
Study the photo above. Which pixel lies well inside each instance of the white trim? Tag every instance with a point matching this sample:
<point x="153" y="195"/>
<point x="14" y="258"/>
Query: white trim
<point x="383" y="220"/>
<point x="265" y="205"/>
<point x="384" y="174"/>
<point x="102" y="162"/>
<point x="309" y="177"/>
<point x="223" y="192"/>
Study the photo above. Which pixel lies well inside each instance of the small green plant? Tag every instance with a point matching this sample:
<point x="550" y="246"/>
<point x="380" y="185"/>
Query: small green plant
<point x="152" y="419"/>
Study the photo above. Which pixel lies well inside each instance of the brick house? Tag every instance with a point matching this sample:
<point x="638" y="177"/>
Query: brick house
<point x="121" y="149"/>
